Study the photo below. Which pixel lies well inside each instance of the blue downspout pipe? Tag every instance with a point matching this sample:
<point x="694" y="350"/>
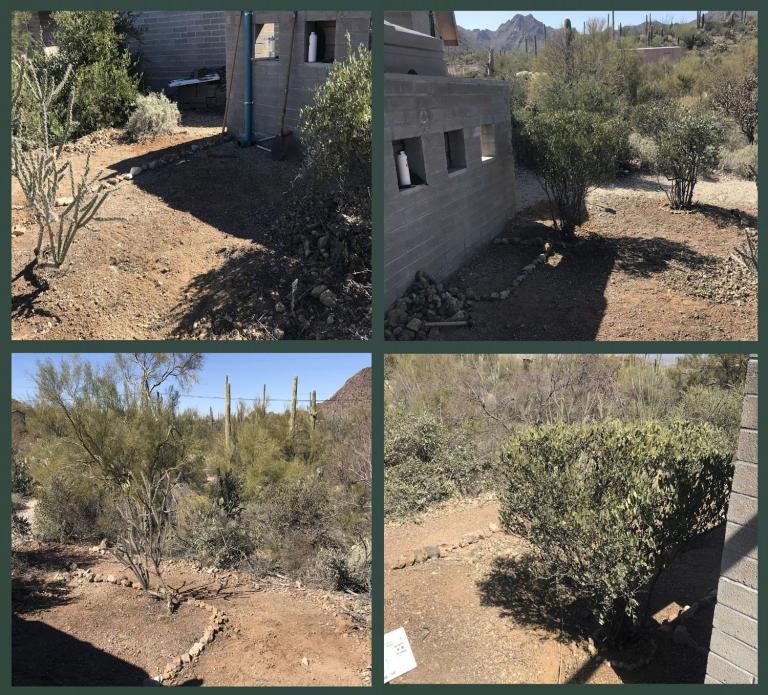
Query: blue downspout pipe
<point x="246" y="137"/>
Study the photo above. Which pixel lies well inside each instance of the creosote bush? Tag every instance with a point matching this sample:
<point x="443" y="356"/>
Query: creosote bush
<point x="570" y="152"/>
<point x="606" y="506"/>
<point x="154" y="115"/>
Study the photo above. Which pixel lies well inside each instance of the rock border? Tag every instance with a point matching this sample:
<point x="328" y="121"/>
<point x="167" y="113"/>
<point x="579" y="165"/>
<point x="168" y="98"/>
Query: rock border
<point x="176" y="665"/>
<point x="167" y="160"/>
<point x="527" y="270"/>
<point x="434" y="552"/>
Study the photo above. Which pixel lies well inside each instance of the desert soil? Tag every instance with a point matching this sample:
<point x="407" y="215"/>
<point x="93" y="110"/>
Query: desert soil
<point x="468" y="622"/>
<point x="197" y="248"/>
<point x="638" y="271"/>
<point x="102" y="634"/>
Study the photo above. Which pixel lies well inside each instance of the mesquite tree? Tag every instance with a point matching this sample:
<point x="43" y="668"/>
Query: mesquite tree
<point x="737" y="98"/>
<point x="37" y="162"/>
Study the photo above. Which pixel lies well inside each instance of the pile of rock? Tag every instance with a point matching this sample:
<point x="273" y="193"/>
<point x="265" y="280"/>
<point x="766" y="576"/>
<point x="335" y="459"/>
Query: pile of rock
<point x="433" y="552"/>
<point x="417" y="315"/>
<point x="98" y="140"/>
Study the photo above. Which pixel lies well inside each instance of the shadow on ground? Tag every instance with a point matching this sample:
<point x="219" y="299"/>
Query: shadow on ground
<point x="43" y="655"/>
<point x="520" y="596"/>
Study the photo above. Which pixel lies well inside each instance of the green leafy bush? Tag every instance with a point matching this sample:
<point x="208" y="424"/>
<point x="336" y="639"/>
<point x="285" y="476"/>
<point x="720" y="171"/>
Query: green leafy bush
<point x="644" y="152"/>
<point x="154" y="115"/>
<point x="572" y="151"/>
<point x="95" y="44"/>
<point x="426" y="461"/>
<point x="606" y="506"/>
<point x="72" y="509"/>
<point x="720" y="407"/>
<point x="336" y="130"/>
<point x="688" y="142"/>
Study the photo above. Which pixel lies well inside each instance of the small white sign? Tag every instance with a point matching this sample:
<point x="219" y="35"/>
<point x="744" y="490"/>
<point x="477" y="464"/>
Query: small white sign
<point x="398" y="657"/>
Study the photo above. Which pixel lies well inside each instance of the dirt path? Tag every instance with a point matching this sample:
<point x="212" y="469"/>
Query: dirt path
<point x="467" y="622"/>
<point x="202" y="245"/>
<point x="99" y="633"/>
<point x="637" y="272"/>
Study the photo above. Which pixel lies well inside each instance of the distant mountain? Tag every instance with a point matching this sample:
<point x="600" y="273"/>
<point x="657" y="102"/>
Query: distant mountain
<point x="354" y="393"/>
<point x="510" y="36"/>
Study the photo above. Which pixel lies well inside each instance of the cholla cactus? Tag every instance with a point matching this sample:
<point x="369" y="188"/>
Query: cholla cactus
<point x="37" y="164"/>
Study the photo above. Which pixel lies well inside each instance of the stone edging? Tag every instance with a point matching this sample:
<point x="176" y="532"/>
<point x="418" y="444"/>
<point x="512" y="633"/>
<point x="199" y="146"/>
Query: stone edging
<point x="175" y="665"/>
<point x="433" y="552"/>
<point x="527" y="270"/>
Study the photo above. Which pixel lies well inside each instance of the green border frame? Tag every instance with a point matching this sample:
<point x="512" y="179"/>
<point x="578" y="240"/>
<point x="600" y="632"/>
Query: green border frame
<point x="376" y="346"/>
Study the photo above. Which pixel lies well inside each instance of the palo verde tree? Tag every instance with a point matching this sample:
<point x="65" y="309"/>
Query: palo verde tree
<point x="127" y="437"/>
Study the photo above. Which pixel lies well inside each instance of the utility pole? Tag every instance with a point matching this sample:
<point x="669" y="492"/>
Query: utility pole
<point x="264" y="400"/>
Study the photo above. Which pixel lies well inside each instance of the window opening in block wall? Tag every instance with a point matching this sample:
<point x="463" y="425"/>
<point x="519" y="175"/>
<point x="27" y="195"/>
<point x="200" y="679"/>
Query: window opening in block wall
<point x="320" y="42"/>
<point x="455" y="153"/>
<point x="410" y="170"/>
<point x="487" y="141"/>
<point x="265" y="41"/>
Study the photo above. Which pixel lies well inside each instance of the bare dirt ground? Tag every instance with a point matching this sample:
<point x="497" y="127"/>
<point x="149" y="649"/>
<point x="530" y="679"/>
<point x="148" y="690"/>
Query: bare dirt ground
<point x="638" y="271"/>
<point x="70" y="632"/>
<point x="470" y="620"/>
<point x="206" y="246"/>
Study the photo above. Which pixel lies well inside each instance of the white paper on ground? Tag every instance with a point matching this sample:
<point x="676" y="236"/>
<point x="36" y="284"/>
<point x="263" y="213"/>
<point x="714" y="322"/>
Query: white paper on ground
<point x="398" y="657"/>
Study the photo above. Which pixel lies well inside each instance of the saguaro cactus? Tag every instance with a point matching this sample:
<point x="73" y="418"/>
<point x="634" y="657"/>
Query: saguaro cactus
<point x="292" y="421"/>
<point x="313" y="408"/>
<point x="227" y="414"/>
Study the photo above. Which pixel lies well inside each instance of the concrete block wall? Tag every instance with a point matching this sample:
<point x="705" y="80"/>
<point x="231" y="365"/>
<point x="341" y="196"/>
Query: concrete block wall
<point x="434" y="227"/>
<point x="269" y="76"/>
<point x="733" y="647"/>
<point x="174" y="44"/>
<point x="408" y="51"/>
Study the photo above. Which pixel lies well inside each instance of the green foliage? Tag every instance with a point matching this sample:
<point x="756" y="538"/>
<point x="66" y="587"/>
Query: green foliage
<point x="720" y="407"/>
<point x="71" y="508"/>
<point x="644" y="152"/>
<point x="605" y="506"/>
<point x="572" y="151"/>
<point x="425" y="461"/>
<point x="688" y="146"/>
<point x="336" y="130"/>
<point x="95" y="44"/>
<point x="344" y="570"/>
<point x="154" y="115"/>
<point x="736" y="97"/>
<point x="741" y="162"/>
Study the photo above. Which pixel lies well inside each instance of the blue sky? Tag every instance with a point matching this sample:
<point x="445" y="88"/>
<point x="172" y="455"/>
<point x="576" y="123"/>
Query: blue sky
<point x="247" y="373"/>
<point x="554" y="18"/>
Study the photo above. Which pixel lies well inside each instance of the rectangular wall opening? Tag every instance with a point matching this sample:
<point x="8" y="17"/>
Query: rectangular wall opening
<point x="326" y="40"/>
<point x="265" y="41"/>
<point x="455" y="153"/>
<point x="415" y="154"/>
<point x="487" y="141"/>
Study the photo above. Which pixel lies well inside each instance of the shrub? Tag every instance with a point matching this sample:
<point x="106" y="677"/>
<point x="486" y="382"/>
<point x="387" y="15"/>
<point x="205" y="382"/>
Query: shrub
<point x="572" y="151"/>
<point x="95" y="44"/>
<point x="741" y="162"/>
<point x="154" y="115"/>
<point x="737" y="98"/>
<point x="606" y="506"/>
<point x="336" y="130"/>
<point x="71" y="509"/>
<point x="425" y="462"/>
<point x="344" y="570"/>
<point x="644" y="152"/>
<point x="208" y="534"/>
<point x="720" y="407"/>
<point x="688" y="143"/>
